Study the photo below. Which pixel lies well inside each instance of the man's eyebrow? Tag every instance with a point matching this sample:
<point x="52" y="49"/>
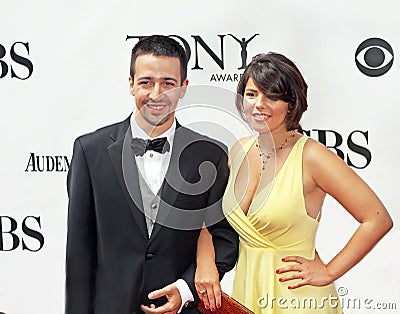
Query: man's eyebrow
<point x="144" y="78"/>
<point x="162" y="78"/>
<point x="170" y="79"/>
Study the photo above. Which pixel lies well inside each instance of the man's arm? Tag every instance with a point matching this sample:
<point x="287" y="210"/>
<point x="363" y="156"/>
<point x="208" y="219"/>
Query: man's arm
<point x="81" y="237"/>
<point x="225" y="239"/>
<point x="216" y="253"/>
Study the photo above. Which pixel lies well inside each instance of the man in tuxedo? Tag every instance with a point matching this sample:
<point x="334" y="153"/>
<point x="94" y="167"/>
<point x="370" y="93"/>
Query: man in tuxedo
<point x="138" y="198"/>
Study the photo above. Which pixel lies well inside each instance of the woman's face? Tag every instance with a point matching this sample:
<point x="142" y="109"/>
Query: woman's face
<point x="263" y="114"/>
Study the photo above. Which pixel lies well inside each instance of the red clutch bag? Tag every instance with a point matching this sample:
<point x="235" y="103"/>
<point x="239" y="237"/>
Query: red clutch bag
<point x="228" y="306"/>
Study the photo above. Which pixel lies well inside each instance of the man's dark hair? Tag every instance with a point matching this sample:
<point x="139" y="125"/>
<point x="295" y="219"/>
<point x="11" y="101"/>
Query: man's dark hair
<point x="159" y="45"/>
<point x="278" y="78"/>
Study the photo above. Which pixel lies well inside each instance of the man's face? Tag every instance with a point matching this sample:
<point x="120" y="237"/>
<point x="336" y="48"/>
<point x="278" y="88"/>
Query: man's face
<point x="157" y="89"/>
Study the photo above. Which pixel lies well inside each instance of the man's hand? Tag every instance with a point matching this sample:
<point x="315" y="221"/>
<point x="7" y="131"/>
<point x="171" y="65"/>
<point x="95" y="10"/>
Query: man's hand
<point x="173" y="304"/>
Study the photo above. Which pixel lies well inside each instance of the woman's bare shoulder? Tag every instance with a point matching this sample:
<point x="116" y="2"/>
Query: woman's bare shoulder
<point x="314" y="151"/>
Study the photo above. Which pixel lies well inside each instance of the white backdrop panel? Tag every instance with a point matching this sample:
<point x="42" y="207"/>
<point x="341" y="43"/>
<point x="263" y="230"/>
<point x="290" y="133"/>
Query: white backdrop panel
<point x="80" y="59"/>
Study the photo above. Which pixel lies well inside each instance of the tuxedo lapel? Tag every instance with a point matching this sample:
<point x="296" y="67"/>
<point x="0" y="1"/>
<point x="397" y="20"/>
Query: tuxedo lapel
<point x="175" y="177"/>
<point x="126" y="171"/>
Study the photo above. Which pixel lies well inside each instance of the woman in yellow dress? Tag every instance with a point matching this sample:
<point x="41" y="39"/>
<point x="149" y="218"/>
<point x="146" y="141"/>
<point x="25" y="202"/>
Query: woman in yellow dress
<point x="277" y="185"/>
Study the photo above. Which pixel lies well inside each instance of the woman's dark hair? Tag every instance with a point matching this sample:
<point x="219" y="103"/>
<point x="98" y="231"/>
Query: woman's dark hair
<point x="278" y="78"/>
<point x="159" y="45"/>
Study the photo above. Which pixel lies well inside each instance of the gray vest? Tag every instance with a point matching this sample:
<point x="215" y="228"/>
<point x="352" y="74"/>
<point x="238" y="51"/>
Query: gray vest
<point x="150" y="203"/>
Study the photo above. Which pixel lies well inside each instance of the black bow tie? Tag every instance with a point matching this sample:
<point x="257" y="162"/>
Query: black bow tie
<point x="140" y="146"/>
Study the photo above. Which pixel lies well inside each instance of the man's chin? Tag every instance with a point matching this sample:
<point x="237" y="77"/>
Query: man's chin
<point x="157" y="121"/>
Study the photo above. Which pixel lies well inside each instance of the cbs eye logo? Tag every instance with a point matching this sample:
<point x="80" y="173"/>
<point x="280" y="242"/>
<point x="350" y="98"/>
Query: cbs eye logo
<point x="374" y="57"/>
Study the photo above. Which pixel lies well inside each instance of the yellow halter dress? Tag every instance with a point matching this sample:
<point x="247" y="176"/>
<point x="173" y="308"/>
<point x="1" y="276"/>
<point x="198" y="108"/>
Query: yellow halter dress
<point x="276" y="225"/>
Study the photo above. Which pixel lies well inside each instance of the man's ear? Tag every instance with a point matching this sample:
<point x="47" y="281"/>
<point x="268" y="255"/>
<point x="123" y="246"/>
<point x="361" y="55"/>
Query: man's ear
<point x="131" y="87"/>
<point x="185" y="83"/>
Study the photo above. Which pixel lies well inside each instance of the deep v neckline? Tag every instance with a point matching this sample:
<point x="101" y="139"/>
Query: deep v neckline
<point x="270" y="185"/>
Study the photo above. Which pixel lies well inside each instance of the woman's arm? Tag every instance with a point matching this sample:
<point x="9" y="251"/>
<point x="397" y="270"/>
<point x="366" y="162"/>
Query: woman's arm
<point x="207" y="278"/>
<point x="334" y="177"/>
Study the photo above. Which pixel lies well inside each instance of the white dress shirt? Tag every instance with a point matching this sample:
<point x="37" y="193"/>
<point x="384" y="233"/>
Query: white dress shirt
<point x="153" y="167"/>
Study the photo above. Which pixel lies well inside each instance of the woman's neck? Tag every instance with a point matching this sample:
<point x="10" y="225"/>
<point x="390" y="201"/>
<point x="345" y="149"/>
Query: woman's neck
<point x="274" y="139"/>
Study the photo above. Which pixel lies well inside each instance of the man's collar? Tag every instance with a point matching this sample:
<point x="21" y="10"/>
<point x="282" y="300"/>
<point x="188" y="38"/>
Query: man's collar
<point x="137" y="131"/>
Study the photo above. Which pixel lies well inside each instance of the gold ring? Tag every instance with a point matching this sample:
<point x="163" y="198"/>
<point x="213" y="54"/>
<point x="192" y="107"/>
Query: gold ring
<point x="203" y="292"/>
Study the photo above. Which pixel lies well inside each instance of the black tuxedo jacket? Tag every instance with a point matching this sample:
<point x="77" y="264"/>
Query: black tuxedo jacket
<point x="111" y="264"/>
